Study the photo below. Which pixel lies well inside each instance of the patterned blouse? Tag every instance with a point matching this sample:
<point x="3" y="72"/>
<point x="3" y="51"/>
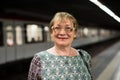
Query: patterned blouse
<point x="46" y="66"/>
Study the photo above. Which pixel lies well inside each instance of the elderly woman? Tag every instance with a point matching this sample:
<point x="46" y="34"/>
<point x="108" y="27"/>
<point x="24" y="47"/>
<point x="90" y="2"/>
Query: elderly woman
<point x="61" y="62"/>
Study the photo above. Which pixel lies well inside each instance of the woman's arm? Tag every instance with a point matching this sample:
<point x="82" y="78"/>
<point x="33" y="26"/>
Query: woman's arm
<point x="34" y="70"/>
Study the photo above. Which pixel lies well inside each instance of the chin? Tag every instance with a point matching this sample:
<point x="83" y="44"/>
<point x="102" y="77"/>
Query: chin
<point x="62" y="44"/>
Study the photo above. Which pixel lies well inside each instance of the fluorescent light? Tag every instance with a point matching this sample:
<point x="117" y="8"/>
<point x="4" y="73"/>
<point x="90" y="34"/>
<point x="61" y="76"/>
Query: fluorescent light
<point x="107" y="10"/>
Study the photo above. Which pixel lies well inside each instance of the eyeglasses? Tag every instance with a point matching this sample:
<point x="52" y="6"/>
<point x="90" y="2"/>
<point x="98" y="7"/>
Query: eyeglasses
<point x="66" y="29"/>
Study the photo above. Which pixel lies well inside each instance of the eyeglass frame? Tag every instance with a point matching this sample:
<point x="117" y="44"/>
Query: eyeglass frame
<point x="66" y="29"/>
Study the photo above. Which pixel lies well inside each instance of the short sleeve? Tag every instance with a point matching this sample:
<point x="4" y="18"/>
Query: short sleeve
<point x="34" y="70"/>
<point x="86" y="56"/>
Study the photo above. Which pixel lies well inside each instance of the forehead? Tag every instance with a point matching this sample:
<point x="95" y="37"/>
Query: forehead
<point x="63" y="21"/>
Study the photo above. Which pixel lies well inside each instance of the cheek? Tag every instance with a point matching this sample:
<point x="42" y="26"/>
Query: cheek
<point x="52" y="36"/>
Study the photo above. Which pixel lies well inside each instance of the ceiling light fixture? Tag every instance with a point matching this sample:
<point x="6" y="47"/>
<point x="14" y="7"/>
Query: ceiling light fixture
<point x="107" y="10"/>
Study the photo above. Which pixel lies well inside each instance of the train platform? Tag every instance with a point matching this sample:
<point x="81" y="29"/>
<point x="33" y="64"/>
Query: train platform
<point x="106" y="65"/>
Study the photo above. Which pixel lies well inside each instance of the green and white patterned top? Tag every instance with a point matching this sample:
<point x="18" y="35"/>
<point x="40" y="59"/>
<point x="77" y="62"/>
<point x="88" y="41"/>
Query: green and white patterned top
<point x="51" y="67"/>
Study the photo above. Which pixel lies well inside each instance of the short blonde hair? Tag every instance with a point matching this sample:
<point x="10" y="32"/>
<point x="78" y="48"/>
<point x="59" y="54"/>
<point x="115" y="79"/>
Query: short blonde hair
<point x="63" y="16"/>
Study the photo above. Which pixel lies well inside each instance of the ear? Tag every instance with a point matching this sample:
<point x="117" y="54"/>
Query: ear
<point x="51" y="34"/>
<point x="75" y="35"/>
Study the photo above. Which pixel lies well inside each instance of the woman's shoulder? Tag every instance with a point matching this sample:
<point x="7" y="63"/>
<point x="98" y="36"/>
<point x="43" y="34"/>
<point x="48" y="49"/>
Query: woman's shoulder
<point x="41" y="53"/>
<point x="84" y="54"/>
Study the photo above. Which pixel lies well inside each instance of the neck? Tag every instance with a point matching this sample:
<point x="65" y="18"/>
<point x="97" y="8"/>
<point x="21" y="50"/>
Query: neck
<point x="64" y="51"/>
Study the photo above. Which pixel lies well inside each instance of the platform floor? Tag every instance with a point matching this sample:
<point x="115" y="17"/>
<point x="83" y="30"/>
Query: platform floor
<point x="106" y="65"/>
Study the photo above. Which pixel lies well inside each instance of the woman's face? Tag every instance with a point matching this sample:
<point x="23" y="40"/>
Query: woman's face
<point x="63" y="33"/>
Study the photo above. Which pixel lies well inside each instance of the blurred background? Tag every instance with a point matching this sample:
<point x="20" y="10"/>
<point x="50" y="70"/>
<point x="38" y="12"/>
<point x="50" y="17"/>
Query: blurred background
<point x="24" y="31"/>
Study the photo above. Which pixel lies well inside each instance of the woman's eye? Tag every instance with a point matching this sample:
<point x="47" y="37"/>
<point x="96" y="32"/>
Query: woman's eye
<point x="57" y="28"/>
<point x="68" y="28"/>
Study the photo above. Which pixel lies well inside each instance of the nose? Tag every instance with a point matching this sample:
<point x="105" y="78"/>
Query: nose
<point x="62" y="31"/>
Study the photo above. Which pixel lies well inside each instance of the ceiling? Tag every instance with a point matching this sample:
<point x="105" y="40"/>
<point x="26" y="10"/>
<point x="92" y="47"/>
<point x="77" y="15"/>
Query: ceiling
<point x="86" y="12"/>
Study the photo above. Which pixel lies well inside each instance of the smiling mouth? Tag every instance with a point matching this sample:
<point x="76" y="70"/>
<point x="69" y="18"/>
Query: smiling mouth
<point x="62" y="38"/>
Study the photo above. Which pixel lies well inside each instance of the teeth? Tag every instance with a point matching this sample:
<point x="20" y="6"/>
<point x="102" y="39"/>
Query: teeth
<point x="61" y="37"/>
